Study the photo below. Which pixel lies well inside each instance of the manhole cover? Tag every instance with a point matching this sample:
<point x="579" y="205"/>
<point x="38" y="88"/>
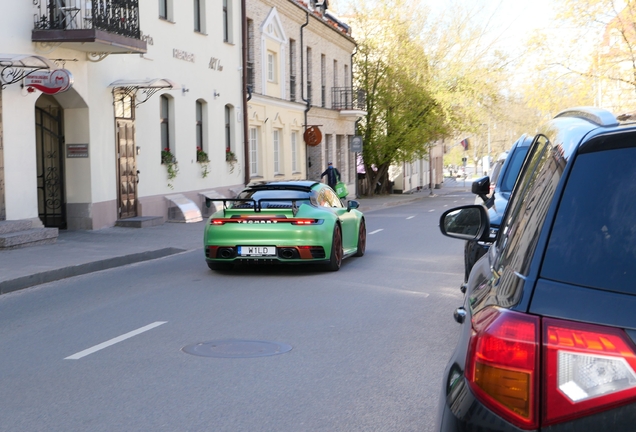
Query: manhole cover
<point x="233" y="348"/>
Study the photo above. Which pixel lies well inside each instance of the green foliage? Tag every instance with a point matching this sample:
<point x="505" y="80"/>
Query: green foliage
<point x="171" y="164"/>
<point x="425" y="81"/>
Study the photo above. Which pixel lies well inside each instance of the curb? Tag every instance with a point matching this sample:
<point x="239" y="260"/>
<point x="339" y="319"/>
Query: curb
<point x="81" y="269"/>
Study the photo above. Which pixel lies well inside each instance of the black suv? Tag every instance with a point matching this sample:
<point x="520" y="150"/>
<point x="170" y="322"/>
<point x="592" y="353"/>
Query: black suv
<point x="548" y="337"/>
<point x="495" y="197"/>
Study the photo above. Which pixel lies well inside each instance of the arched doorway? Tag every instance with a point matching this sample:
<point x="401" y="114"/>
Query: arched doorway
<point x="49" y="141"/>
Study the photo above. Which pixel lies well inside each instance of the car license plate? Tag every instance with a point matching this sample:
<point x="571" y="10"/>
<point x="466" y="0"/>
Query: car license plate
<point x="257" y="250"/>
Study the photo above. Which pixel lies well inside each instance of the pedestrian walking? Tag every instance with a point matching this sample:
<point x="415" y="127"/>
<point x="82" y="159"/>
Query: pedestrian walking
<point x="333" y="175"/>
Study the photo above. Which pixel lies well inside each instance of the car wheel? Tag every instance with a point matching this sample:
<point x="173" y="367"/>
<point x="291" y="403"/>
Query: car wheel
<point x="362" y="239"/>
<point x="220" y="265"/>
<point x="335" y="259"/>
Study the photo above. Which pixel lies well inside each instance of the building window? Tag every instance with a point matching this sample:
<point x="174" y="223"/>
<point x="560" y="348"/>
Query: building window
<point x="309" y="74"/>
<point x="228" y="129"/>
<point x="271" y="67"/>
<point x="165" y="120"/>
<point x="294" y="151"/>
<point x="276" y="151"/>
<point x="199" y="14"/>
<point x="253" y="142"/>
<point x="227" y="22"/>
<point x="250" y="53"/>
<point x="347" y="77"/>
<point x="323" y="81"/>
<point x="335" y="73"/>
<point x="200" y="125"/>
<point x="165" y="9"/>
<point x="292" y="70"/>
<point x="124" y="106"/>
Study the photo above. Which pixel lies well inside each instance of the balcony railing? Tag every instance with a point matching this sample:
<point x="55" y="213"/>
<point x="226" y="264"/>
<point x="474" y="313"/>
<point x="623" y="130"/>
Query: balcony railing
<point x="347" y="98"/>
<point x="93" y="22"/>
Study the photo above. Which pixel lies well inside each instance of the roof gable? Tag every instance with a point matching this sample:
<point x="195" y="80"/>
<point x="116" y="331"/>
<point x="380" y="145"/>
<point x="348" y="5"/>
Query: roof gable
<point x="272" y="27"/>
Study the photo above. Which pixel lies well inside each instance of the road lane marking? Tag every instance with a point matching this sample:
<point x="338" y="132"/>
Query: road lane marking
<point x="113" y="341"/>
<point x="410" y="217"/>
<point x="431" y="211"/>
<point x="376" y="231"/>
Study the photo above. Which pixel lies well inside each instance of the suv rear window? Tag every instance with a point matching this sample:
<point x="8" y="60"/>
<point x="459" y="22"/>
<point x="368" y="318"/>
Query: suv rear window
<point x="593" y="241"/>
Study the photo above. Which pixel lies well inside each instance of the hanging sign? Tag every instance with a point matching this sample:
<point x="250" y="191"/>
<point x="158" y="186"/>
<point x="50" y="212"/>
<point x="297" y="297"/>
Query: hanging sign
<point x="50" y="81"/>
<point x="356" y="144"/>
<point x="312" y="136"/>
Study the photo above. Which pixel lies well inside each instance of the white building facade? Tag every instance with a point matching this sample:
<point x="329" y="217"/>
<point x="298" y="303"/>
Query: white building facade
<point x="150" y="79"/>
<point x="301" y="114"/>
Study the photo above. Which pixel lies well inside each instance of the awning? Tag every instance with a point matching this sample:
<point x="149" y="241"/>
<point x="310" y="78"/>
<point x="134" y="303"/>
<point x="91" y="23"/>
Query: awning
<point x="14" y="67"/>
<point x="148" y="83"/>
<point x="148" y="87"/>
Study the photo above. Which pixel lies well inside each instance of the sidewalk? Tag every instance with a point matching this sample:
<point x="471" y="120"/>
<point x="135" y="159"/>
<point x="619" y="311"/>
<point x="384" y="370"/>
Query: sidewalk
<point x="81" y="252"/>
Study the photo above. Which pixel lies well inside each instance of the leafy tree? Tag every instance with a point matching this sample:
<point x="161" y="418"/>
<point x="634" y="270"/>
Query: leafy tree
<point x="587" y="57"/>
<point x="426" y="81"/>
<point x="403" y="119"/>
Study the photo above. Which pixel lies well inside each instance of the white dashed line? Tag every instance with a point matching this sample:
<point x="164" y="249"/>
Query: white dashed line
<point x="106" y="344"/>
<point x="431" y="211"/>
<point x="376" y="231"/>
<point x="410" y="217"/>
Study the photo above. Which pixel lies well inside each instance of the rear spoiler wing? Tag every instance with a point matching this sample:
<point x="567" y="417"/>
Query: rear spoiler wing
<point x="256" y="204"/>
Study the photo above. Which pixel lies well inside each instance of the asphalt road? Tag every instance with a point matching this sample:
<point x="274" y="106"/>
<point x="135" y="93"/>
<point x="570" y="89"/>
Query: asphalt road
<point x="366" y="345"/>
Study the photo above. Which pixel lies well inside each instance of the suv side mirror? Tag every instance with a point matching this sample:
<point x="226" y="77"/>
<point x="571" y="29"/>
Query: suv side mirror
<point x="481" y="187"/>
<point x="469" y="222"/>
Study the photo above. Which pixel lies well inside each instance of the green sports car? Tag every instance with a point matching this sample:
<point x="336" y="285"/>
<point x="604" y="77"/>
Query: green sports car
<point x="292" y="222"/>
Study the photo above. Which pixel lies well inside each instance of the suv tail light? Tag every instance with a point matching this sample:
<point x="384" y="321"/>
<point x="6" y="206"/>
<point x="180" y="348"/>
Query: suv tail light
<point x="589" y="368"/>
<point x="502" y="365"/>
<point x="585" y="368"/>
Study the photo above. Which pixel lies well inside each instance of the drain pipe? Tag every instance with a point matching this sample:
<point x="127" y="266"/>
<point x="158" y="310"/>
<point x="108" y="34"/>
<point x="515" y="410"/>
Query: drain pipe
<point x="302" y="85"/>
<point x="246" y="145"/>
<point x="355" y="125"/>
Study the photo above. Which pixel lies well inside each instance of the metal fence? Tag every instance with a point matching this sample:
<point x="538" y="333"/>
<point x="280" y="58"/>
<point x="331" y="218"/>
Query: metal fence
<point x="113" y="16"/>
<point x="348" y="98"/>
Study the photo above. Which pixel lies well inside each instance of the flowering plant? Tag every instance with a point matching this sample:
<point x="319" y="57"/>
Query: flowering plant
<point x="230" y="157"/>
<point x="168" y="159"/>
<point x="202" y="158"/>
<point x="201" y="155"/>
<point x="167" y="156"/>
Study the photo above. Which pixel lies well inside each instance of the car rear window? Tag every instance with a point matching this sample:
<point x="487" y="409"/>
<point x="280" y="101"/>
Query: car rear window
<point x="593" y="241"/>
<point x="512" y="171"/>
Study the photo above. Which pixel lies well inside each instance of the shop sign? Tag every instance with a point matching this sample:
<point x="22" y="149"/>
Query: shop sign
<point x="312" y="136"/>
<point x="49" y="81"/>
<point x="215" y="64"/>
<point x="183" y="55"/>
<point x="76" y="150"/>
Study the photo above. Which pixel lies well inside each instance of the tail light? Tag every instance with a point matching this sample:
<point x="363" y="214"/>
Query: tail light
<point x="502" y="366"/>
<point x="589" y="368"/>
<point x="585" y="368"/>
<point x="306" y="221"/>
<point x="265" y="220"/>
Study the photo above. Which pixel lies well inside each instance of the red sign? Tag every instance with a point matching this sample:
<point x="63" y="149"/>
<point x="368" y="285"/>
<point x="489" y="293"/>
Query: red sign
<point x="312" y="136"/>
<point x="50" y="81"/>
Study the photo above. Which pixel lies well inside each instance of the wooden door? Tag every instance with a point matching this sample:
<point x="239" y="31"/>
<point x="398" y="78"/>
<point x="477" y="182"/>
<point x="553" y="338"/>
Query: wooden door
<point x="127" y="174"/>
